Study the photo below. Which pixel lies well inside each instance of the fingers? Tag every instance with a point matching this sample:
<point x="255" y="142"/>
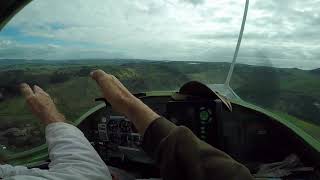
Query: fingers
<point x="26" y="90"/>
<point x="99" y="76"/>
<point x="103" y="78"/>
<point x="38" y="89"/>
<point x="96" y="73"/>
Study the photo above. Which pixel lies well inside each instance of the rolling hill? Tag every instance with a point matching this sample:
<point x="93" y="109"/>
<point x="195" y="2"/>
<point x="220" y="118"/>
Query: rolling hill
<point x="291" y="91"/>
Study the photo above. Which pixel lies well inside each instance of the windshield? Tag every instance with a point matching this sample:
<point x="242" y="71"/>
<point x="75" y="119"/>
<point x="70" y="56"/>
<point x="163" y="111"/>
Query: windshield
<point x="282" y="42"/>
<point x="153" y="45"/>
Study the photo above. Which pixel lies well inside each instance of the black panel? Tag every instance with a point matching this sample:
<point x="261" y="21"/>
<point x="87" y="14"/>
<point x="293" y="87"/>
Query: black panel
<point x="247" y="135"/>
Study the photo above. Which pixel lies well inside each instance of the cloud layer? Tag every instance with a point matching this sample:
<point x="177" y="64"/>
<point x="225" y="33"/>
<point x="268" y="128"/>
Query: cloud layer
<point x="278" y="33"/>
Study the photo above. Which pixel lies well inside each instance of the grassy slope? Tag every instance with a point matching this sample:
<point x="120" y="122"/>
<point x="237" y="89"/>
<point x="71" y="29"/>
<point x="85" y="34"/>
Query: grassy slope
<point x="310" y="128"/>
<point x="288" y="90"/>
<point x="281" y="90"/>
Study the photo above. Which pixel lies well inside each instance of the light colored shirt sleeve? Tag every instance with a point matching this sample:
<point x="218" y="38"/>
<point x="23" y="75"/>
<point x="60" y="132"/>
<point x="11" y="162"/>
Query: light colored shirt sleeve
<point x="71" y="155"/>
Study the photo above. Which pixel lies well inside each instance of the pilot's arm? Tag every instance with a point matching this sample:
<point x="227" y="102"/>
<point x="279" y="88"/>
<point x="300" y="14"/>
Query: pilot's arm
<point x="71" y="155"/>
<point x="178" y="152"/>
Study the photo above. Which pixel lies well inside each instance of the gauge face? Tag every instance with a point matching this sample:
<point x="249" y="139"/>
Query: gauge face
<point x="205" y="115"/>
<point x="125" y="126"/>
<point x="112" y="125"/>
<point x="103" y="119"/>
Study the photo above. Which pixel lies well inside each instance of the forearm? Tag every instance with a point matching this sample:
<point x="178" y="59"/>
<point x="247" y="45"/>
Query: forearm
<point x="70" y="152"/>
<point x="7" y="170"/>
<point x="63" y="142"/>
<point x="123" y="101"/>
<point x="71" y="155"/>
<point x="181" y="155"/>
<point x="140" y="114"/>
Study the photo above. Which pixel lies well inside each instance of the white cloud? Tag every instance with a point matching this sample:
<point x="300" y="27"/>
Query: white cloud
<point x="175" y="29"/>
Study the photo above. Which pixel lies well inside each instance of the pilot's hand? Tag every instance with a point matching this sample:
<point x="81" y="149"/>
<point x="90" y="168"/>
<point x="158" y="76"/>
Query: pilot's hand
<point x="41" y="104"/>
<point x="113" y="91"/>
<point x="123" y="101"/>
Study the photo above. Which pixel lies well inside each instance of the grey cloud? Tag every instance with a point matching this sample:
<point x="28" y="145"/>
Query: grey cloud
<point x="282" y="30"/>
<point x="52" y="51"/>
<point x="215" y="36"/>
<point x="286" y="13"/>
<point x="194" y="2"/>
<point x="24" y="52"/>
<point x="228" y="36"/>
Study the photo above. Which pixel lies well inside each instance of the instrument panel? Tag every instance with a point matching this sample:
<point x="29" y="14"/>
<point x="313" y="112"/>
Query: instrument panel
<point x="115" y="137"/>
<point x="118" y="130"/>
<point x="200" y="116"/>
<point x="244" y="134"/>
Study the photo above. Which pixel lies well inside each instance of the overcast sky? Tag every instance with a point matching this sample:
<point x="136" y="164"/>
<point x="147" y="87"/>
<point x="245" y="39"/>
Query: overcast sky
<point x="280" y="33"/>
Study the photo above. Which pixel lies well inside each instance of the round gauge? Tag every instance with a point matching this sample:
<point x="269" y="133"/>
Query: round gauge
<point x="205" y="114"/>
<point x="103" y="119"/>
<point x="112" y="126"/>
<point x="125" y="126"/>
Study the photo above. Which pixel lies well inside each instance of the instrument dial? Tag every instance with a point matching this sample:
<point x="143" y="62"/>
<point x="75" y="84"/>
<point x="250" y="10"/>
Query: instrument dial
<point x="125" y="126"/>
<point x="113" y="125"/>
<point x="205" y="115"/>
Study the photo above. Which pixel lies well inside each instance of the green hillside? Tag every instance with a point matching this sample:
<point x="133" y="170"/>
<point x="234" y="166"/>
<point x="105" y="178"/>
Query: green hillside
<point x="290" y="91"/>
